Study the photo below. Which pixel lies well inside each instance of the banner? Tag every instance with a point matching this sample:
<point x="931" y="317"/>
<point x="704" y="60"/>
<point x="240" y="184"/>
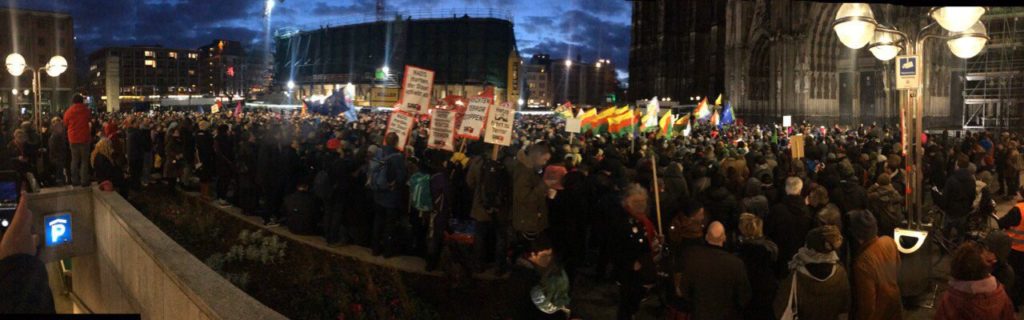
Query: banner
<point x="473" y="120"/>
<point x="573" y="125"/>
<point x="442" y="127"/>
<point x="499" y="124"/>
<point x="401" y="124"/>
<point x="417" y="85"/>
<point x="787" y="121"/>
<point x="796" y="146"/>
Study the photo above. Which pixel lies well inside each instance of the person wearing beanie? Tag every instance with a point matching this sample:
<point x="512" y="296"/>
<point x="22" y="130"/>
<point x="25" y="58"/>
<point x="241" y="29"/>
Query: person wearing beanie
<point x="714" y="282"/>
<point x="821" y="283"/>
<point x="754" y="201"/>
<point x="848" y="195"/>
<point x="973" y="292"/>
<point x="759" y="255"/>
<point x="876" y="292"/>
<point x="999" y="243"/>
<point x="886" y="204"/>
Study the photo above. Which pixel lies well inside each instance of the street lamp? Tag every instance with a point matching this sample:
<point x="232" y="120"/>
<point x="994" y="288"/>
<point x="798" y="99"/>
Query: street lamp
<point x="16" y="66"/>
<point x="855" y="26"/>
<point x="568" y="63"/>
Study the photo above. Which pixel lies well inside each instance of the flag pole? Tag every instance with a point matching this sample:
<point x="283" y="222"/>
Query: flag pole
<point x="657" y="193"/>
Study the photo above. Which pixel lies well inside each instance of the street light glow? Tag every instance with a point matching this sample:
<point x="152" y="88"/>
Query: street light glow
<point x="885" y="46"/>
<point x="291" y="84"/>
<point x="855" y="25"/>
<point x="386" y="70"/>
<point x="15" y="64"/>
<point x="269" y="7"/>
<point x="568" y="63"/>
<point x="968" y="43"/>
<point x="56" y="66"/>
<point x="957" y="19"/>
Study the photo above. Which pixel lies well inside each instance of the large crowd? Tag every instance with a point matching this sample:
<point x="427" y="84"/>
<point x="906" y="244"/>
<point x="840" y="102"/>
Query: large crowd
<point x="737" y="228"/>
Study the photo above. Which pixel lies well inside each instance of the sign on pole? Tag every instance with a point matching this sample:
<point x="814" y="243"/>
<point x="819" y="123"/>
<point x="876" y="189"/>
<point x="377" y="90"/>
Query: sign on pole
<point x="787" y="121"/>
<point x="907" y="75"/>
<point x="573" y="125"/>
<point x="416" y="88"/>
<point x="442" y="127"/>
<point x="474" y="119"/>
<point x="401" y="124"/>
<point x="499" y="124"/>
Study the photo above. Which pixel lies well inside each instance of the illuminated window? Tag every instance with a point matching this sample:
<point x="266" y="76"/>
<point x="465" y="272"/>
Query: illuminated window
<point x="151" y="63"/>
<point x="150" y="53"/>
<point x="172" y="54"/>
<point x="191" y="72"/>
<point x="193" y="55"/>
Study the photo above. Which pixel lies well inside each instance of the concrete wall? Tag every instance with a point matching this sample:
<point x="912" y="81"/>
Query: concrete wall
<point x="136" y="268"/>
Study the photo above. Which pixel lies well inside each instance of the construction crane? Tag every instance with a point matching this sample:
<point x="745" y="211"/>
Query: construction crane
<point x="380" y="10"/>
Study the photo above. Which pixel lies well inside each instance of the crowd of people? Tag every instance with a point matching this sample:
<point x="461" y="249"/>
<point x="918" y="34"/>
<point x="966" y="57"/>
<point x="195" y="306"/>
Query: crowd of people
<point x="737" y="228"/>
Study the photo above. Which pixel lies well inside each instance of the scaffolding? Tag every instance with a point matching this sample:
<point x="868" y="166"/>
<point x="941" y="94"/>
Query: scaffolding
<point x="994" y="80"/>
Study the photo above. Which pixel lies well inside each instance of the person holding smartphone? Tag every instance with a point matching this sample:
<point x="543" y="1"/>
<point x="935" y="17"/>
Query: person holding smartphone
<point x="23" y="280"/>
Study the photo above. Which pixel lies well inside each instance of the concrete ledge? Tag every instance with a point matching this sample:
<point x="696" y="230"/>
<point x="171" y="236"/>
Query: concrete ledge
<point x="136" y="268"/>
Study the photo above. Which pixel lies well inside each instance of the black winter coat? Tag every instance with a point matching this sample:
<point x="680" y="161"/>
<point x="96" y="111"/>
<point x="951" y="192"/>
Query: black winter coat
<point x="787" y="225"/>
<point x="714" y="283"/>
<point x="303" y="211"/>
<point x="958" y="194"/>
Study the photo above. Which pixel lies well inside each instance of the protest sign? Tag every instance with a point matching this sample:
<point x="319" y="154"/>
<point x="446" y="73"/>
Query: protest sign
<point x="787" y="121"/>
<point x="442" y="125"/>
<point x="401" y="124"/>
<point x="573" y="125"/>
<point x="499" y="124"/>
<point x="416" y="88"/>
<point x="473" y="120"/>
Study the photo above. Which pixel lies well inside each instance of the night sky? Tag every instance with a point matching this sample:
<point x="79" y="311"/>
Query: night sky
<point x="563" y="28"/>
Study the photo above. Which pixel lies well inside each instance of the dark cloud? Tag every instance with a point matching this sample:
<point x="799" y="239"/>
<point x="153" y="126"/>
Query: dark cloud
<point x="586" y="35"/>
<point x="612" y="7"/>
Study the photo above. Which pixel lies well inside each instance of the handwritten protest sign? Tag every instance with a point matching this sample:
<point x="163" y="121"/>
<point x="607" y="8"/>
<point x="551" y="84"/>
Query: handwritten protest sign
<point x="573" y="125"/>
<point x="416" y="87"/>
<point x="499" y="124"/>
<point x="474" y="119"/>
<point x="442" y="127"/>
<point x="401" y="124"/>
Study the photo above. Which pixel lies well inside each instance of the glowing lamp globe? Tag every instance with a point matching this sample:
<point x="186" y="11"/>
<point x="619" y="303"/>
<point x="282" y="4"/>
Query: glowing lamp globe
<point x="855" y="25"/>
<point x="968" y="43"/>
<point x="15" y="64"/>
<point x="885" y="46"/>
<point x="56" y="66"/>
<point x="957" y="19"/>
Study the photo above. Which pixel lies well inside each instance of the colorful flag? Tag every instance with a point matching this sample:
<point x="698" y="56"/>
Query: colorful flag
<point x="714" y="119"/>
<point x="564" y="111"/>
<point x="718" y="101"/>
<point x="305" y="109"/>
<point x="703" y="110"/>
<point x="622" y="123"/>
<point x="600" y="123"/>
<point x="652" y="111"/>
<point x="666" y="124"/>
<point x="686" y="132"/>
<point x="238" y="110"/>
<point x="587" y="119"/>
<point x="682" y="120"/>
<point x="647" y="118"/>
<point x="727" y="117"/>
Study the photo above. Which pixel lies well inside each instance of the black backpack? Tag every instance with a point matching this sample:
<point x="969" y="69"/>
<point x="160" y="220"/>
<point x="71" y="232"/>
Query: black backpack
<point x="496" y="185"/>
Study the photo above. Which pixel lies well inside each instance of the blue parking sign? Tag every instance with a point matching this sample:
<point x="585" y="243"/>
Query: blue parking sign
<point x="57" y="229"/>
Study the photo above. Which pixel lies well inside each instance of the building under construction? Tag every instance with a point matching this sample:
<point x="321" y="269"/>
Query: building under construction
<point x="467" y="51"/>
<point x="994" y="80"/>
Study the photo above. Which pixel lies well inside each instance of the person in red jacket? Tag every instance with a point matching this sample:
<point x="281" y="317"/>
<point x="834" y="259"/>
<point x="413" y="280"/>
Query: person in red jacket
<point x="77" y="119"/>
<point x="973" y="292"/>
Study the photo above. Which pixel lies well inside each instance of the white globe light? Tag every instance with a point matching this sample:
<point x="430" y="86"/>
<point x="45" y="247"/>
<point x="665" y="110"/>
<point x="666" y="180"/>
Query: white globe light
<point x="56" y="66"/>
<point x="291" y="84"/>
<point x="885" y="46"/>
<point x="855" y="25"/>
<point x="957" y="19"/>
<point x="969" y="43"/>
<point x="386" y="69"/>
<point x="15" y="64"/>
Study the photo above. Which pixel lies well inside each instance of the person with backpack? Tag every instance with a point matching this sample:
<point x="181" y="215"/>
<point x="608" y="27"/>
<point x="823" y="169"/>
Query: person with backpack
<point x="386" y="174"/>
<point x="491" y="185"/>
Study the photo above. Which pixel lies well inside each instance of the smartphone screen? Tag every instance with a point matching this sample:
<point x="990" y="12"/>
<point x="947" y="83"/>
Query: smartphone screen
<point x="8" y="202"/>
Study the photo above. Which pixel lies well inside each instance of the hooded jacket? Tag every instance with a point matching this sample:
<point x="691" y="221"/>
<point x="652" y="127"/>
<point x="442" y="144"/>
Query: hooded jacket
<point x="886" y="204"/>
<point x="822" y="293"/>
<point x="979" y="299"/>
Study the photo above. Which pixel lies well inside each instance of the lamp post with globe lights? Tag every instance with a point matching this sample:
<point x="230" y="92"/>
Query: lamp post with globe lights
<point x="965" y="35"/>
<point x="16" y="66"/>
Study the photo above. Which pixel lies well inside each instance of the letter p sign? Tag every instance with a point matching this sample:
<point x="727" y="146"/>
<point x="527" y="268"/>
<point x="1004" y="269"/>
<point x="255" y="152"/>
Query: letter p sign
<point x="58" y="229"/>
